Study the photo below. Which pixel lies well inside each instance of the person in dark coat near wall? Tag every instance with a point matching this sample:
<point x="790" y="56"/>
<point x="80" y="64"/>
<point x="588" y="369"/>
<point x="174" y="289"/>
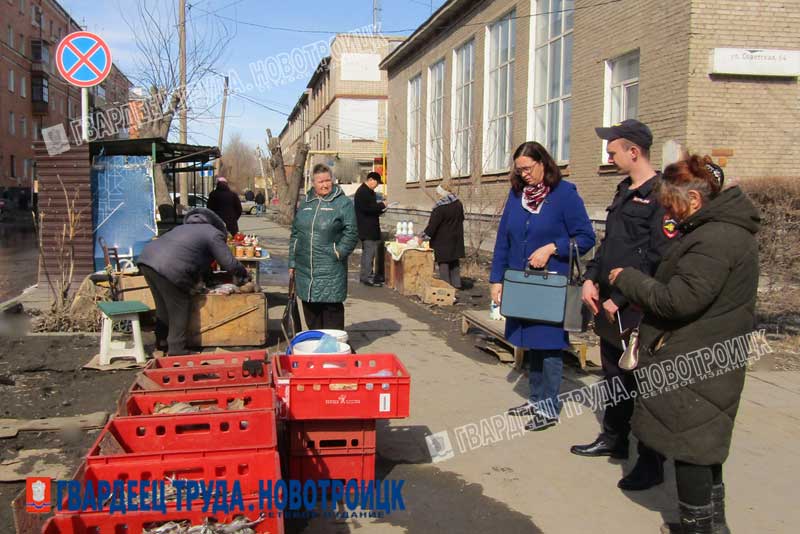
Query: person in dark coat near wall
<point x="446" y="231"/>
<point x="702" y="298"/>
<point x="226" y="204"/>
<point x="368" y="213"/>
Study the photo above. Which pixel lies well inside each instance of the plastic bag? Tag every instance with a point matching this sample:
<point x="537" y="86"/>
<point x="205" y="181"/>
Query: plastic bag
<point x="327" y="345"/>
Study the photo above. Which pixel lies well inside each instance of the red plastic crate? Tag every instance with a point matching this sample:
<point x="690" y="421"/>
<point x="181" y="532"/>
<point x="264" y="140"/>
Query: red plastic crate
<point x="332" y="466"/>
<point x="147" y="438"/>
<point x="190" y="377"/>
<point x="331" y="437"/>
<point x="211" y="358"/>
<point x="135" y="522"/>
<point x="207" y="399"/>
<point x="247" y="466"/>
<point x="341" y="387"/>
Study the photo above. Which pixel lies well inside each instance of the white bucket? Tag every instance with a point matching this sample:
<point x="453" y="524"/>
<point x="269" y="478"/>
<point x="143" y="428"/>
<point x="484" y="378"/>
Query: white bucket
<point x="340" y="335"/>
<point x="308" y="348"/>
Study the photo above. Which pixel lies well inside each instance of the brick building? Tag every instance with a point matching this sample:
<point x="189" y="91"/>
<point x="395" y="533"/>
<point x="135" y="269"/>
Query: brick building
<point x="33" y="95"/>
<point x="480" y="77"/>
<point x="342" y="112"/>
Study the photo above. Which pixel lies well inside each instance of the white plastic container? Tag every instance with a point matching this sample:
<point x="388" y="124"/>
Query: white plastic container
<point x="307" y="348"/>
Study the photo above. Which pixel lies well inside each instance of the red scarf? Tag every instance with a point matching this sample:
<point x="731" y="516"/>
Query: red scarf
<point x="533" y="196"/>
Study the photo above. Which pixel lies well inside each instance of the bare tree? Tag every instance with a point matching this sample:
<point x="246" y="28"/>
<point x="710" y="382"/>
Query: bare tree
<point x="239" y="163"/>
<point x="288" y="187"/>
<point x="153" y="26"/>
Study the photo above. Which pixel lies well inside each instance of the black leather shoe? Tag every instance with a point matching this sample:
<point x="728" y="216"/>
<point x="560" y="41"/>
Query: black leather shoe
<point x="604" y="445"/>
<point x="521" y="410"/>
<point x="540" y="422"/>
<point x="372" y="284"/>
<point x="648" y="472"/>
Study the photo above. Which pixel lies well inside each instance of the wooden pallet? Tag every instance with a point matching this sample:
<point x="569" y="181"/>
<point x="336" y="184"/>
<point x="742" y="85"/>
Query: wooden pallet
<point x="480" y="319"/>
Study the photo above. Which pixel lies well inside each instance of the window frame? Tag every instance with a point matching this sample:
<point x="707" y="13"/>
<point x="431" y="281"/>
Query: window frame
<point x="435" y="105"/>
<point x="492" y="163"/>
<point x="534" y="130"/>
<point x="462" y="126"/>
<point x="413" y="175"/>
<point x="608" y="86"/>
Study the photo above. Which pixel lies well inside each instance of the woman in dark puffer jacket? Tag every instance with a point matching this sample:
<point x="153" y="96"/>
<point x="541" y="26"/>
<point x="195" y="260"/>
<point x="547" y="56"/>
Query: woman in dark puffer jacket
<point x="701" y="300"/>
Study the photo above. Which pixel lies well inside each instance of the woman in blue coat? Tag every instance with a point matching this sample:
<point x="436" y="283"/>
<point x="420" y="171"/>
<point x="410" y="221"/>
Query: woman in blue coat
<point x="542" y="214"/>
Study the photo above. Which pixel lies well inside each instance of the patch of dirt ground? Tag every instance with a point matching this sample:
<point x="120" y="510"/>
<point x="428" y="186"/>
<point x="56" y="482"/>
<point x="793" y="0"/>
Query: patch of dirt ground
<point x="41" y="377"/>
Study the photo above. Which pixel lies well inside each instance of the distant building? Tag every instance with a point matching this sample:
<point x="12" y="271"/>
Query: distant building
<point x="33" y="95"/>
<point x="342" y="113"/>
<point x="480" y="77"/>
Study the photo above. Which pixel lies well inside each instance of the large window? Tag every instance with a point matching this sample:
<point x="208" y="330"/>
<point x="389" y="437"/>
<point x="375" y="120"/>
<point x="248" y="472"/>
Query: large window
<point x="621" y="91"/>
<point x="463" y="80"/>
<point x="500" y="91"/>
<point x="11" y="80"/>
<point x="552" y="73"/>
<point x="12" y="123"/>
<point x="414" y="128"/>
<point x="435" y="120"/>
<point x="622" y="75"/>
<point x="23" y="87"/>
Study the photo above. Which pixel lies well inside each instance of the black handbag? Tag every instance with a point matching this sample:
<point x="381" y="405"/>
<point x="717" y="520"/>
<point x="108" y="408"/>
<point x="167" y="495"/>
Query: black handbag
<point x="291" y="322"/>
<point x="615" y="332"/>
<point x="576" y="315"/>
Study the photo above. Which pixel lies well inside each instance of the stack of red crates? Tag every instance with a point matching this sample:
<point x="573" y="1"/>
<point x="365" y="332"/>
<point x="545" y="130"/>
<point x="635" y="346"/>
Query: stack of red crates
<point x="331" y="404"/>
<point x="216" y="443"/>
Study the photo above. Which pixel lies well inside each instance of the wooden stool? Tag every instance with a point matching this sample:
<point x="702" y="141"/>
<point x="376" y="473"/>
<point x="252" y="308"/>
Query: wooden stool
<point x="121" y="311"/>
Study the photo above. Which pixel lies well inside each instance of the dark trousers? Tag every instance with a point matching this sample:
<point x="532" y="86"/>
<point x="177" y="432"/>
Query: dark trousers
<point x="450" y="272"/>
<point x="173" y="306"/>
<point x="371" y="260"/>
<point x="617" y="417"/>
<point x="695" y="482"/>
<point x="327" y="315"/>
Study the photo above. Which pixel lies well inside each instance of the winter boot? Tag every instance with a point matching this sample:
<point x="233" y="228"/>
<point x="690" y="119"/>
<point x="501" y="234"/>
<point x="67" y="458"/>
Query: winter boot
<point x="718" y="503"/>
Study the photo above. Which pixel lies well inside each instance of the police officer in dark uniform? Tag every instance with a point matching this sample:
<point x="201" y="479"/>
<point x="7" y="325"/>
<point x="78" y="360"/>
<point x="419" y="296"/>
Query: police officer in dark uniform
<point x="638" y="232"/>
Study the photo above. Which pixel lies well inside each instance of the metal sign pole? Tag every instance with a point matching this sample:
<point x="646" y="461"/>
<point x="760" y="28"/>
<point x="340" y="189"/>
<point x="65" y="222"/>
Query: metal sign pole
<point x="85" y="113"/>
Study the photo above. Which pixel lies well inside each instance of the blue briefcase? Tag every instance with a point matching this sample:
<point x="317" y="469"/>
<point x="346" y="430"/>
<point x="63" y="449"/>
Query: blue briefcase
<point x="534" y="295"/>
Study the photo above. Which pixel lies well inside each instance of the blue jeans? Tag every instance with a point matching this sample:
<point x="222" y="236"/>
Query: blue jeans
<point x="546" y="368"/>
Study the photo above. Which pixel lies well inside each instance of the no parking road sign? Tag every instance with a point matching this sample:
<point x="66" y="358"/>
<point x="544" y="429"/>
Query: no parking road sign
<point x="83" y="59"/>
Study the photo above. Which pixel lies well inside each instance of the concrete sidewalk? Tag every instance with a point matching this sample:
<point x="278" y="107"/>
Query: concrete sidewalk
<point x="532" y="483"/>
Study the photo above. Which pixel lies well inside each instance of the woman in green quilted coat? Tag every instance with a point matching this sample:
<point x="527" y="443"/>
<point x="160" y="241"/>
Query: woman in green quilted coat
<point x="324" y="234"/>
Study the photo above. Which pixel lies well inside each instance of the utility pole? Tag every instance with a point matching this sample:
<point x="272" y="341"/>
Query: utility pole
<point x="183" y="179"/>
<point x="260" y="157"/>
<point x="222" y="121"/>
<point x="376" y="16"/>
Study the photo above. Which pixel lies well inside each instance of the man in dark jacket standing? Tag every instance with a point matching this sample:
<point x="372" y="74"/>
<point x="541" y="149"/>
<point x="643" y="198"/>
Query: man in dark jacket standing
<point x="638" y="234"/>
<point x="368" y="212"/>
<point x="226" y="204"/>
<point x="260" y="201"/>
<point x="175" y="263"/>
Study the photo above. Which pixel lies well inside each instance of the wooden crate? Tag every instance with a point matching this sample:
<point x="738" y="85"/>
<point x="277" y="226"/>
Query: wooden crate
<point x="233" y="320"/>
<point x="411" y="273"/>
<point x="136" y="288"/>
<point x="438" y="292"/>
